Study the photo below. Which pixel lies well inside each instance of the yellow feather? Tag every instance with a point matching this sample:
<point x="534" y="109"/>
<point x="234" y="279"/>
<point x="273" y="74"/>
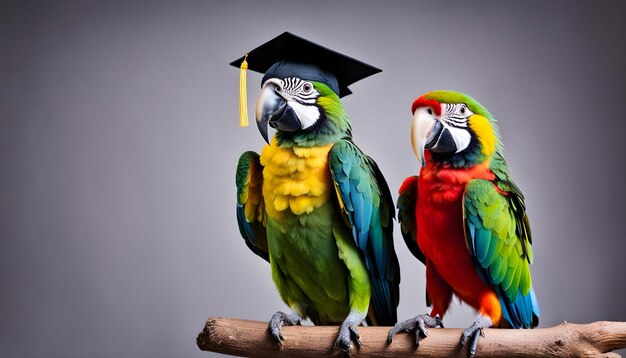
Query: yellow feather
<point x="317" y="185"/>
<point x="300" y="205"/>
<point x="480" y="125"/>
<point x="292" y="188"/>
<point x="281" y="203"/>
<point x="296" y="179"/>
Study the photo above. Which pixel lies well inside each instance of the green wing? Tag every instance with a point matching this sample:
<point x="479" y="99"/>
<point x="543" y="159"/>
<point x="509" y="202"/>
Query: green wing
<point x="250" y="205"/>
<point x="367" y="208"/>
<point x="497" y="234"/>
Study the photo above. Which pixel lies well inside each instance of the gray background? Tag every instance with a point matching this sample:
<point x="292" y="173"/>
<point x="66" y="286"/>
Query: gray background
<point x="119" y="139"/>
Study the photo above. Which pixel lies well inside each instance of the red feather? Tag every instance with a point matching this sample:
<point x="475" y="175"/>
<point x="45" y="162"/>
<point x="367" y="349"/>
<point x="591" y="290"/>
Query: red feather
<point x="449" y="268"/>
<point x="423" y="102"/>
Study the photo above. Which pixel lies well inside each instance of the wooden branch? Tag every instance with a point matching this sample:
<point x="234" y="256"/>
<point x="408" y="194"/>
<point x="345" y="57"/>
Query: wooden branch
<point x="251" y="339"/>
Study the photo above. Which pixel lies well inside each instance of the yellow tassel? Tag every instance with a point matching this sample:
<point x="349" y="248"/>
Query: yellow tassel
<point x="243" y="94"/>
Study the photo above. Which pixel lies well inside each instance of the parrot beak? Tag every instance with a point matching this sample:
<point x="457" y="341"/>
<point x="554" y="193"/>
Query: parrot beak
<point x="272" y="108"/>
<point x="424" y="132"/>
<point x="427" y="132"/>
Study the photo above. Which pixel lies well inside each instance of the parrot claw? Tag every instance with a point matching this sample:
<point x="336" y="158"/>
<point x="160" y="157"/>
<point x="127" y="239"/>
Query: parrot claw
<point x="280" y="319"/>
<point x="418" y="324"/>
<point x="345" y="337"/>
<point x="349" y="333"/>
<point x="474" y="332"/>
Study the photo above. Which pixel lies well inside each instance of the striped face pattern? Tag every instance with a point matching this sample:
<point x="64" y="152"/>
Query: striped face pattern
<point x="301" y="96"/>
<point x="455" y="114"/>
<point x="454" y="117"/>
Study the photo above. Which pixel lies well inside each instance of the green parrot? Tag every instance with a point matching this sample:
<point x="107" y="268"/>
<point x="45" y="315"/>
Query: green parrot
<point x="316" y="207"/>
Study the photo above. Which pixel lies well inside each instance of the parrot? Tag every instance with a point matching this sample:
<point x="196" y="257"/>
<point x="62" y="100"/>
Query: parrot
<point x="465" y="219"/>
<point x="319" y="211"/>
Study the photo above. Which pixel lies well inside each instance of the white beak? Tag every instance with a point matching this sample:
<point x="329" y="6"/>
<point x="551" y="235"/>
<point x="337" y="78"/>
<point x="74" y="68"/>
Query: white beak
<point x="423" y="124"/>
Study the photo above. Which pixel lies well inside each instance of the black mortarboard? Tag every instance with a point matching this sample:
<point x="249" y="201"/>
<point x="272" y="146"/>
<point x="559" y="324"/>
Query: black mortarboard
<point x="288" y="55"/>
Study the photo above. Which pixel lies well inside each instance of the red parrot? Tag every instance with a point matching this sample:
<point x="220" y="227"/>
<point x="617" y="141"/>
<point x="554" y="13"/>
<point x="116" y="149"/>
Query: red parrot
<point x="465" y="219"/>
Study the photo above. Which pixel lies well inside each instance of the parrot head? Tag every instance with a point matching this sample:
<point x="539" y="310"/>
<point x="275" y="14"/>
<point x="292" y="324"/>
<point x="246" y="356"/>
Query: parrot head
<point x="454" y="128"/>
<point x="303" y="112"/>
<point x="300" y="90"/>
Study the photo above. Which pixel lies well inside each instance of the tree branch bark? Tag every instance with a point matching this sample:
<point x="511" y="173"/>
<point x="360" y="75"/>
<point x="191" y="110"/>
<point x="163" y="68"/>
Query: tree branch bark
<point x="250" y="339"/>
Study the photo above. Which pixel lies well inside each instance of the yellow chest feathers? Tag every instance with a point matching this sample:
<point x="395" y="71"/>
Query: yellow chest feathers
<point x="295" y="180"/>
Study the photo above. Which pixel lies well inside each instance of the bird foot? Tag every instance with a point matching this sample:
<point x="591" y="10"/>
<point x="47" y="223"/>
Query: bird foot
<point x="418" y="325"/>
<point x="349" y="333"/>
<point x="474" y="332"/>
<point x="280" y="319"/>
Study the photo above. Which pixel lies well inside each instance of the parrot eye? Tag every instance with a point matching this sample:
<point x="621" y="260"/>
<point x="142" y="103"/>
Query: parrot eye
<point x="307" y="87"/>
<point x="460" y="111"/>
<point x="430" y="111"/>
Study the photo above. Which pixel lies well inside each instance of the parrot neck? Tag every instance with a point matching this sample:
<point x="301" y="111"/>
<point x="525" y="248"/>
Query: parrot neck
<point x="332" y="126"/>
<point x="441" y="182"/>
<point x="468" y="158"/>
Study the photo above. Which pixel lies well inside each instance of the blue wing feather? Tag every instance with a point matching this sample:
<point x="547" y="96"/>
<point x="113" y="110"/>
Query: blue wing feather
<point x="369" y="210"/>
<point x="501" y="255"/>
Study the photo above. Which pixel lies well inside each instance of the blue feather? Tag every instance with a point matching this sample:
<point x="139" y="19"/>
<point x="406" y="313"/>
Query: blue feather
<point x="363" y="191"/>
<point x="484" y="242"/>
<point x="472" y="232"/>
<point x="483" y="239"/>
<point x="533" y="300"/>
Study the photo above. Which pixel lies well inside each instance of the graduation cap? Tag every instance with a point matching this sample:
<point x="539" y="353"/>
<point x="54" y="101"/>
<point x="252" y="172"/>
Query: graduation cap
<point x="288" y="55"/>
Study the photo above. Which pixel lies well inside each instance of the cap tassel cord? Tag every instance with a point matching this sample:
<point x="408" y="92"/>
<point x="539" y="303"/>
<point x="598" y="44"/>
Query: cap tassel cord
<point x="243" y="94"/>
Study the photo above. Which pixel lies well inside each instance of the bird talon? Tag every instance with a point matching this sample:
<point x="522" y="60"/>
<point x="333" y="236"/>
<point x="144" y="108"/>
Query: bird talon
<point x="418" y="324"/>
<point x="438" y="321"/>
<point x="475" y="331"/>
<point x="278" y="320"/>
<point x="421" y="328"/>
<point x="355" y="333"/>
<point x="348" y="332"/>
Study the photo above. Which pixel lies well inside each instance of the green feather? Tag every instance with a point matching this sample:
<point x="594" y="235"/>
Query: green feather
<point x="499" y="247"/>
<point x="367" y="203"/>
